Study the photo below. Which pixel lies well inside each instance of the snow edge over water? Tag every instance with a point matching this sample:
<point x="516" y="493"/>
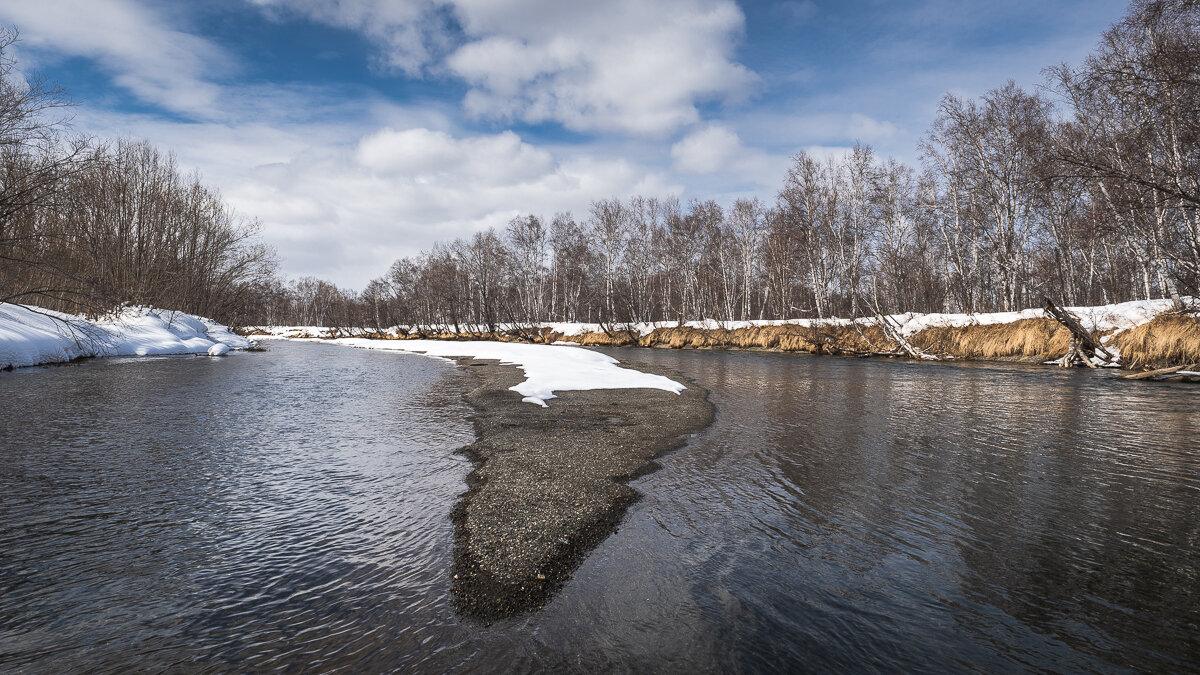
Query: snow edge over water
<point x="547" y="368"/>
<point x="31" y="336"/>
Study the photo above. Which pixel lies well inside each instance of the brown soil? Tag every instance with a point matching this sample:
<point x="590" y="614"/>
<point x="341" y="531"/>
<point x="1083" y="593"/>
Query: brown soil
<point x="1167" y="340"/>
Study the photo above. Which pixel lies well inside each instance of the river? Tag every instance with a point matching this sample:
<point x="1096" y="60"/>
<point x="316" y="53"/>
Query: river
<point x="290" y="509"/>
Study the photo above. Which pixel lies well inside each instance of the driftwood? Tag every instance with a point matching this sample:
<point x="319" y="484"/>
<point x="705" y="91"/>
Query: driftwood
<point x="1162" y="373"/>
<point x="1084" y="349"/>
<point x="892" y="330"/>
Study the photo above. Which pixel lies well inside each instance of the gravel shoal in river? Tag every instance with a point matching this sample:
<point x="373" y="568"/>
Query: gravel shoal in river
<point x="549" y="483"/>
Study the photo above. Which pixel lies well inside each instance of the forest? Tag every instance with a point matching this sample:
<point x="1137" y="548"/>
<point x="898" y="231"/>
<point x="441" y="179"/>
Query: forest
<point x="87" y="225"/>
<point x="1086" y="189"/>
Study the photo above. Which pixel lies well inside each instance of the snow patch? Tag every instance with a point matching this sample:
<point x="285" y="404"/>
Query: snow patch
<point x="1115" y="317"/>
<point x="31" y="336"/>
<point x="547" y="368"/>
<point x="1112" y="319"/>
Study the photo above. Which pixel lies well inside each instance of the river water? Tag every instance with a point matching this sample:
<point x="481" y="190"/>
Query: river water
<point x="289" y="510"/>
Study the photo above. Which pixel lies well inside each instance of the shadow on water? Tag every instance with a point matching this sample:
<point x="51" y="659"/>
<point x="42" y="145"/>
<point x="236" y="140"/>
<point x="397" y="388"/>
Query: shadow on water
<point x="291" y="509"/>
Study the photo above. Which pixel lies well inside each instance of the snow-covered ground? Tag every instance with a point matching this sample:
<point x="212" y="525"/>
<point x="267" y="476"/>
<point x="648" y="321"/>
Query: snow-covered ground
<point x="1119" y="317"/>
<point x="30" y="336"/>
<point x="547" y="368"/>
<point x="562" y="367"/>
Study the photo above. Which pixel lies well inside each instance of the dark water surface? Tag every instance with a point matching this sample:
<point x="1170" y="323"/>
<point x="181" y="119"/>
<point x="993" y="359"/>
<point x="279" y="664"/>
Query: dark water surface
<point x="290" y="511"/>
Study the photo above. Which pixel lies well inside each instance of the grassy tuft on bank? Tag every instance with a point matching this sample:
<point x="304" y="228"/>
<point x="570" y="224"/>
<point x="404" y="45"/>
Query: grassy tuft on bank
<point x="1147" y="334"/>
<point x="1167" y="340"/>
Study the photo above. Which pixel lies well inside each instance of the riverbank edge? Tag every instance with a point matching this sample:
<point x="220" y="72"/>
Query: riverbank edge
<point x="549" y="484"/>
<point x="1166" y="340"/>
<point x="32" y="337"/>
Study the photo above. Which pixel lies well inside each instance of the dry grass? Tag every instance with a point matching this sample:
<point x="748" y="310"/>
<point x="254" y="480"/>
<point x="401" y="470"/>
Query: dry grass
<point x="1168" y="340"/>
<point x="813" y="340"/>
<point x="1024" y="340"/>
<point x="684" y="337"/>
<point x="617" y="338"/>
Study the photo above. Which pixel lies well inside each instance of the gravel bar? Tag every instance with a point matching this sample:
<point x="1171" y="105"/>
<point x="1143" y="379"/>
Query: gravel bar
<point x="549" y="484"/>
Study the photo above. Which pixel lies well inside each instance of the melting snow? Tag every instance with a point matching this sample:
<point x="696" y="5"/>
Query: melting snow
<point x="548" y="368"/>
<point x="30" y="336"/>
<point x="1118" y="317"/>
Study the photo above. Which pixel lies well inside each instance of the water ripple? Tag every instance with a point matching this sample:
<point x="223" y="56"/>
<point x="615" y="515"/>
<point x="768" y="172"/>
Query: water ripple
<point x="290" y="511"/>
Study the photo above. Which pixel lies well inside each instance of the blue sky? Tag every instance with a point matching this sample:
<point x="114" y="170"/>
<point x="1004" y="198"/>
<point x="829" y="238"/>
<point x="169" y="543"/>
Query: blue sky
<point x="358" y="131"/>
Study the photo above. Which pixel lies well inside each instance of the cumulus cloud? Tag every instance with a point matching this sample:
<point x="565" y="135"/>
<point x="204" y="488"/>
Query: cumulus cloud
<point x="719" y="152"/>
<point x="626" y="66"/>
<point x="707" y="150"/>
<point x="342" y="201"/>
<point x="421" y="154"/>
<point x="131" y="43"/>
<point x="398" y="191"/>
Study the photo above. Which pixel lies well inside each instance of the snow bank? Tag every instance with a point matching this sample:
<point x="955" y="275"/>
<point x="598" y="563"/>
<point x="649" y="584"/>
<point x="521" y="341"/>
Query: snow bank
<point x="1113" y="319"/>
<point x="30" y="336"/>
<point x="548" y="368"/>
<point x="292" y="332"/>
<point x="1119" y="317"/>
<point x="568" y="329"/>
<point x="1116" y="317"/>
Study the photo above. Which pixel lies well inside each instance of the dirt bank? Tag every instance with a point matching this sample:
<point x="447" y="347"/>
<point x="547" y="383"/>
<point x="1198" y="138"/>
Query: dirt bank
<point x="549" y="483"/>
<point x="1166" y="340"/>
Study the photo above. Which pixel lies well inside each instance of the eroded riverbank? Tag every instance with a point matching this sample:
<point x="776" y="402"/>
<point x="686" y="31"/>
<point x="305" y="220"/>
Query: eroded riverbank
<point x="550" y="483"/>
<point x="1141" y="335"/>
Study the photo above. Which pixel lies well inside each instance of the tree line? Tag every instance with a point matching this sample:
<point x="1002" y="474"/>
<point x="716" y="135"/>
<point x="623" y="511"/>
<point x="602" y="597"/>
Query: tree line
<point x="1087" y="190"/>
<point x="86" y="225"/>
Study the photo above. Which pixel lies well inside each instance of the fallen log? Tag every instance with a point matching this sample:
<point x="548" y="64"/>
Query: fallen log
<point x="1084" y="348"/>
<point x="892" y="330"/>
<point x="1161" y="373"/>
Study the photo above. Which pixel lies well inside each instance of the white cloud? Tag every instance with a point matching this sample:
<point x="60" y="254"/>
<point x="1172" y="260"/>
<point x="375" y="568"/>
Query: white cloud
<point x="869" y="130"/>
<point x="718" y="152"/>
<point x="342" y="201"/>
<point x="424" y="155"/>
<point x="708" y="150"/>
<point x="397" y="192"/>
<point x="626" y="66"/>
<point x="134" y="45"/>
<point x="408" y="30"/>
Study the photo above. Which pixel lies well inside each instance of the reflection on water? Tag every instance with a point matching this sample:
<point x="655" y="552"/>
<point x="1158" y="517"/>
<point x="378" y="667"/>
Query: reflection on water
<point x="291" y="509"/>
<point x="931" y="516"/>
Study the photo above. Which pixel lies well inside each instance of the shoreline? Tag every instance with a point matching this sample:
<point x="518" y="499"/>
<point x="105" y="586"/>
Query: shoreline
<point x="32" y="337"/>
<point x="1144" y="335"/>
<point x="549" y="484"/>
